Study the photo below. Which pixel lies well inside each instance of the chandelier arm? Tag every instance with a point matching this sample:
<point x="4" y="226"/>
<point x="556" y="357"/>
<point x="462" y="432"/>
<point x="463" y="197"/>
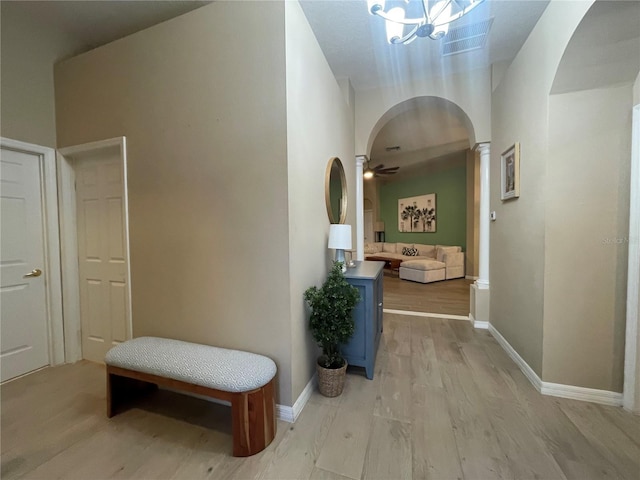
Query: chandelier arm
<point x="404" y="21"/>
<point x="408" y="38"/>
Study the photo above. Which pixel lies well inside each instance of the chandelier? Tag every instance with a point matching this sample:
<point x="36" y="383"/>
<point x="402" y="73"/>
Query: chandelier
<point x="433" y="23"/>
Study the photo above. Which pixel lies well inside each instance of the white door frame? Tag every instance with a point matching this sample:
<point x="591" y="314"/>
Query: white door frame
<point x="630" y="400"/>
<point x="53" y="286"/>
<point x="69" y="239"/>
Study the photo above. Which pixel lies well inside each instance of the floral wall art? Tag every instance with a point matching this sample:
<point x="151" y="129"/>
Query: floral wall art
<point x="417" y="214"/>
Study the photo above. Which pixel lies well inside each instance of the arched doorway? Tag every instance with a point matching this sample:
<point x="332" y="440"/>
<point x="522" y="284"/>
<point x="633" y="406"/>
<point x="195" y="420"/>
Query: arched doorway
<point x="427" y="141"/>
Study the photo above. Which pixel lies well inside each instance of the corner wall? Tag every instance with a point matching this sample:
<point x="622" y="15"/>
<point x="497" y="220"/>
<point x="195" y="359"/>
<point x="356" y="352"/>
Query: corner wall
<point x="319" y="127"/>
<point x="28" y="50"/>
<point x="586" y="237"/>
<point x="520" y="113"/>
<point x="203" y="106"/>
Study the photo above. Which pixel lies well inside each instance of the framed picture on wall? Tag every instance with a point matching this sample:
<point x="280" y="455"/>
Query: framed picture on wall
<point x="510" y="172"/>
<point x="417" y="214"/>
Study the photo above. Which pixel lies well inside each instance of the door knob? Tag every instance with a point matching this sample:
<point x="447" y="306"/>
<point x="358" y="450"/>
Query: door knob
<point x="36" y="272"/>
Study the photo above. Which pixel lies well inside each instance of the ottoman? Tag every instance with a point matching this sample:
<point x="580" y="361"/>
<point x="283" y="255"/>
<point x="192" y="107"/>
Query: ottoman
<point x="423" y="271"/>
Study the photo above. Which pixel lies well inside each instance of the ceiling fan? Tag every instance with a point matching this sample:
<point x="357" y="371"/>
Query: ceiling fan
<point x="378" y="171"/>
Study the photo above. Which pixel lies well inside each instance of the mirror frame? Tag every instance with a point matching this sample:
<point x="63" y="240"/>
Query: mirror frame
<point x="327" y="191"/>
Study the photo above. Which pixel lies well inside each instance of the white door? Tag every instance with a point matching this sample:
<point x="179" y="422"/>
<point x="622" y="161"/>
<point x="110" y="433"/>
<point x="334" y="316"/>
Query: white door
<point x="102" y="258"/>
<point x="23" y="312"/>
<point x="368" y="226"/>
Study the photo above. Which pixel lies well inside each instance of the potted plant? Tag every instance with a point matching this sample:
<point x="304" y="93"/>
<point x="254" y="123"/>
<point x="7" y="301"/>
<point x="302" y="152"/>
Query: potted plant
<point x="332" y="324"/>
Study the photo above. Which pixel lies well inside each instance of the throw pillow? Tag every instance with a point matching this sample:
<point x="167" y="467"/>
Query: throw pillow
<point x="410" y="251"/>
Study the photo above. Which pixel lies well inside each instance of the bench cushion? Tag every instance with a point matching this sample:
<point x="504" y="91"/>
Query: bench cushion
<point x="213" y="367"/>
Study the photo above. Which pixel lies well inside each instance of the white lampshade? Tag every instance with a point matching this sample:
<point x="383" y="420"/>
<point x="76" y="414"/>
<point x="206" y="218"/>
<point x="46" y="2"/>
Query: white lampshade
<point x="379" y="227"/>
<point x="340" y="237"/>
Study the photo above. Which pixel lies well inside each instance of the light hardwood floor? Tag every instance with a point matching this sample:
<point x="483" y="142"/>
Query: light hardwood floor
<point x="447" y="297"/>
<point x="445" y="403"/>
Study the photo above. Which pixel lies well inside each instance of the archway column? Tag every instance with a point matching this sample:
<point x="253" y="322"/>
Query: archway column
<point x="479" y="291"/>
<point x="360" y="160"/>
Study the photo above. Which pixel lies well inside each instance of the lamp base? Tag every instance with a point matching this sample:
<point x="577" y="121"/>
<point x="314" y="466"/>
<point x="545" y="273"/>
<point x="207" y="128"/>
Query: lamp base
<point x="341" y="258"/>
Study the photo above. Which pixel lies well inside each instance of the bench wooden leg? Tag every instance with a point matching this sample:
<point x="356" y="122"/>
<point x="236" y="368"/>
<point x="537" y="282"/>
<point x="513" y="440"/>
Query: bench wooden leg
<point x="253" y="420"/>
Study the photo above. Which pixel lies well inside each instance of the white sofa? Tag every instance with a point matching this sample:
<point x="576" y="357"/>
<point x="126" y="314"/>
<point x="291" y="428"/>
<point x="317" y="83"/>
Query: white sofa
<point x="431" y="264"/>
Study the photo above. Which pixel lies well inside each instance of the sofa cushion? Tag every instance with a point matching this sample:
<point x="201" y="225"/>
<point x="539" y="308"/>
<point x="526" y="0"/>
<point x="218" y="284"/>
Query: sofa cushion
<point x="402" y="246"/>
<point x="441" y="251"/>
<point x="426" y="250"/>
<point x="371" y="248"/>
<point x="389" y="247"/>
<point x="410" y="251"/>
<point x="424" y="265"/>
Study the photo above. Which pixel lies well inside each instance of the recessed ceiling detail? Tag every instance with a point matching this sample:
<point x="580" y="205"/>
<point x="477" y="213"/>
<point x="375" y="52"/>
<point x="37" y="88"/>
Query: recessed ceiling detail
<point x="466" y="38"/>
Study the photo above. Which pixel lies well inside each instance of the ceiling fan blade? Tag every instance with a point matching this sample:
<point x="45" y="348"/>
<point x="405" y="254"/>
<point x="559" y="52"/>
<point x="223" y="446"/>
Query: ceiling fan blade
<point x="378" y="167"/>
<point x="388" y="170"/>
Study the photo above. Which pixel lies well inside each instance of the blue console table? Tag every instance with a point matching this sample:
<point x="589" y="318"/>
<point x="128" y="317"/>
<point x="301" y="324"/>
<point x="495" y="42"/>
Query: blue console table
<point x="363" y="346"/>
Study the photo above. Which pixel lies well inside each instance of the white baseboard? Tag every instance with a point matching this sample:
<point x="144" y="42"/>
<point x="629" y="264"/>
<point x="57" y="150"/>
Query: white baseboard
<point x="290" y="414"/>
<point x="604" y="397"/>
<point x="423" y="314"/>
<point x="515" y="356"/>
<point x="478" y="323"/>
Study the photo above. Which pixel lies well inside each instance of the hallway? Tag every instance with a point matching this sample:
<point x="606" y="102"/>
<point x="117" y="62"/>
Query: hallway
<point x="445" y="402"/>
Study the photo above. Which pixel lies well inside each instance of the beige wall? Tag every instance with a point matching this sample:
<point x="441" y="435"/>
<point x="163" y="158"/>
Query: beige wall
<point x="319" y="127"/>
<point x="28" y="51"/>
<point x="586" y="224"/>
<point x="636" y="91"/>
<point x="520" y="113"/>
<point x="471" y="92"/>
<point x="202" y="103"/>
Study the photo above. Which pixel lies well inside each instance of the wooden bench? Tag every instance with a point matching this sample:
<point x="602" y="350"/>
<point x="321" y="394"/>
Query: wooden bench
<point x="246" y="380"/>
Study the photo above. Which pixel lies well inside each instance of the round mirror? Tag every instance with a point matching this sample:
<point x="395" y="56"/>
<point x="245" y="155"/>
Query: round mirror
<point x="335" y="191"/>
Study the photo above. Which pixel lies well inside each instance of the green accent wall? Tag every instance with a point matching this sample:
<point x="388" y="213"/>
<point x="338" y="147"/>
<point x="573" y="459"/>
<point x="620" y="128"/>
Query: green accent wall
<point x="450" y="187"/>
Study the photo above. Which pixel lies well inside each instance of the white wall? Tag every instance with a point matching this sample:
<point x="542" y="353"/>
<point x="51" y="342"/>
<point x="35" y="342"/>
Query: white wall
<point x="471" y="92"/>
<point x="520" y="114"/>
<point x="28" y="49"/>
<point x="319" y="127"/>
<point x="586" y="224"/>
<point x="202" y="103"/>
<point x="636" y="91"/>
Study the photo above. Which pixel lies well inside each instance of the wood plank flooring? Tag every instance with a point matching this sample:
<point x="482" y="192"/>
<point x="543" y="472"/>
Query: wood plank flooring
<point x="447" y="297"/>
<point x="446" y="402"/>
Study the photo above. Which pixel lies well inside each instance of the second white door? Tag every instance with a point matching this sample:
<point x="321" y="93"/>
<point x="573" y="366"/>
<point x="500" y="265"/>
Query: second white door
<point x="102" y="252"/>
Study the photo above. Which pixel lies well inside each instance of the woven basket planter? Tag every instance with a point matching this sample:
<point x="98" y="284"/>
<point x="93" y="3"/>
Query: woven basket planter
<point x="331" y="380"/>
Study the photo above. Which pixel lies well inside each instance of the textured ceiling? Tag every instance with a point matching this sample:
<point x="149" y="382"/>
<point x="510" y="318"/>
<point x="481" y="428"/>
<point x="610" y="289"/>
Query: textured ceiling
<point x="355" y="45"/>
<point x="92" y="23"/>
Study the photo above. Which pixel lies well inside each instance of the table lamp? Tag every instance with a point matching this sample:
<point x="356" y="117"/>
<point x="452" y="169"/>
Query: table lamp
<point x="340" y="240"/>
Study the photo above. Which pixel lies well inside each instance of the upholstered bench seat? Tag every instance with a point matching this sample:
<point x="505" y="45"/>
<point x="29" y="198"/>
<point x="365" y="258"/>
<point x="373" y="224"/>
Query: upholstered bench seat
<point x="244" y="379"/>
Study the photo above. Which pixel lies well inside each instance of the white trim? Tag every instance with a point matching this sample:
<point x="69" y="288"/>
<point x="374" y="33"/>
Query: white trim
<point x="631" y="370"/>
<point x="479" y="324"/>
<point x="593" y="395"/>
<point x="423" y="314"/>
<point x="291" y="414"/>
<point x="53" y="285"/>
<point x="360" y="159"/>
<point x="515" y="356"/>
<point x="603" y="397"/>
<point x="470" y="277"/>
<point x="68" y="240"/>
